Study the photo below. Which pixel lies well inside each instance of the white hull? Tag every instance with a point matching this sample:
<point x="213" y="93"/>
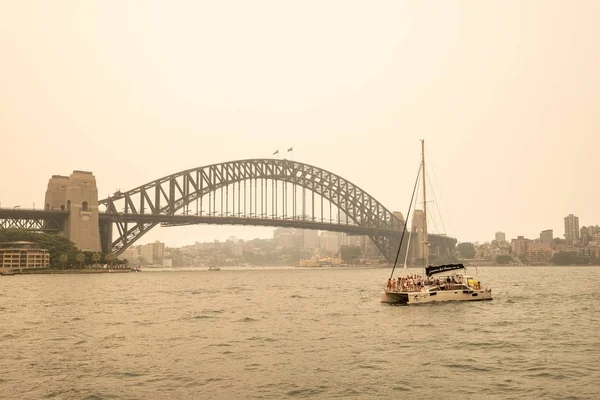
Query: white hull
<point x="437" y="296"/>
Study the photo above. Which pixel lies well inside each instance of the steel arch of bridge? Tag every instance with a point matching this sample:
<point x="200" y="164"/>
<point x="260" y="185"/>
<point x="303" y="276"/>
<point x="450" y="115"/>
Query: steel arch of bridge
<point x="148" y="205"/>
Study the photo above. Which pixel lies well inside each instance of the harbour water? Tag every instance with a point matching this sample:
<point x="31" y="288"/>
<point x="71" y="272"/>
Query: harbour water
<point x="297" y="333"/>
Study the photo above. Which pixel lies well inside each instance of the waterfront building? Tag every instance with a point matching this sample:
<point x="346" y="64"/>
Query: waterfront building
<point x="592" y="230"/>
<point x="539" y="255"/>
<point x="546" y="236"/>
<point x="584" y="236"/>
<point x="371" y="250"/>
<point x="147" y="252"/>
<point x="500" y="237"/>
<point x="132" y="255"/>
<point x="519" y="246"/>
<point x="330" y="241"/>
<point x="284" y="239"/>
<point x="357" y="240"/>
<point x="278" y="231"/>
<point x="238" y="248"/>
<point x="343" y="238"/>
<point x="23" y="255"/>
<point x="571" y="229"/>
<point x="158" y="250"/>
<point x="310" y="238"/>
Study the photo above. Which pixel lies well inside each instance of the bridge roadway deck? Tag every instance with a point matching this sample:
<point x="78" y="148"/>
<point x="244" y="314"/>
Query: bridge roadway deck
<point x="180" y="220"/>
<point x="298" y="223"/>
<point x="24" y="213"/>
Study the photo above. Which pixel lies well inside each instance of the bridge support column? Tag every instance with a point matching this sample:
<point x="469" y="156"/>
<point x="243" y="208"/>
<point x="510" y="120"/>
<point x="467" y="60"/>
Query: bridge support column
<point x="106" y="231"/>
<point x="78" y="195"/>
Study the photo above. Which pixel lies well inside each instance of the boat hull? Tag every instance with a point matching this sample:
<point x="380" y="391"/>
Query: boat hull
<point x="432" y="297"/>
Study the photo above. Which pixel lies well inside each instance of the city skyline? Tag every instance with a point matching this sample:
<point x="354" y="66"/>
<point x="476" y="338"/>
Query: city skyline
<point x="508" y="109"/>
<point x="249" y="233"/>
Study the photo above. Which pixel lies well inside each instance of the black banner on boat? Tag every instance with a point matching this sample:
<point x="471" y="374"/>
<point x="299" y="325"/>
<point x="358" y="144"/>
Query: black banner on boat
<point x="442" y="268"/>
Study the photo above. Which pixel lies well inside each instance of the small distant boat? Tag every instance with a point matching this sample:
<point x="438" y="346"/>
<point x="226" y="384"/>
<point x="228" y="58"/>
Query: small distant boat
<point x="136" y="269"/>
<point x="10" y="272"/>
<point x="214" y="268"/>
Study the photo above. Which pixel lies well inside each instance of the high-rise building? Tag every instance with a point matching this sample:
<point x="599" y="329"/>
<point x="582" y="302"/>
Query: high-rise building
<point x="279" y="231"/>
<point x="500" y="237"/>
<point x="330" y="241"/>
<point x="284" y="240"/>
<point x="131" y="255"/>
<point x="147" y="252"/>
<point x="310" y="238"/>
<point x="546" y="236"/>
<point x="158" y="250"/>
<point x="571" y="229"/>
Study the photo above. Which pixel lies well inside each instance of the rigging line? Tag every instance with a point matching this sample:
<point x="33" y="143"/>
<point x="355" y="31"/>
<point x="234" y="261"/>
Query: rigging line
<point x="410" y="232"/>
<point x="441" y="219"/>
<point x="436" y="202"/>
<point x="453" y="231"/>
<point x="446" y="249"/>
<point x="405" y="222"/>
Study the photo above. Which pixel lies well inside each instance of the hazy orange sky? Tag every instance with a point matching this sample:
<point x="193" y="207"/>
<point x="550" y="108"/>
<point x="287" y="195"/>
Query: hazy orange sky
<point x="506" y="94"/>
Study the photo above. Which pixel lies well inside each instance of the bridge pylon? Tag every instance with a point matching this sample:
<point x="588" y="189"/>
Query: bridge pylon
<point x="78" y="196"/>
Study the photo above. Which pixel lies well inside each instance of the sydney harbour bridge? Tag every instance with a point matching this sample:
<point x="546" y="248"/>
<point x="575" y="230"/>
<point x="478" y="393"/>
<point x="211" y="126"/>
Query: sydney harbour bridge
<point x="253" y="192"/>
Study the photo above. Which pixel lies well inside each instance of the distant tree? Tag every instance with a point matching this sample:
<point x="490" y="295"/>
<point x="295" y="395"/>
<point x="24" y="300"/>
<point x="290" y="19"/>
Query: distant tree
<point x="466" y="249"/>
<point x="63" y="260"/>
<point x="96" y="257"/>
<point x="563" y="258"/>
<point x="582" y="260"/>
<point x="503" y="259"/>
<point x="110" y="258"/>
<point x="350" y="253"/>
<point x="142" y="261"/>
<point x="80" y="258"/>
<point x="523" y="259"/>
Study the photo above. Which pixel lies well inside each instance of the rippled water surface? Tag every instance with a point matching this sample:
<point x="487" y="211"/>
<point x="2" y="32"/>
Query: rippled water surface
<point x="296" y="333"/>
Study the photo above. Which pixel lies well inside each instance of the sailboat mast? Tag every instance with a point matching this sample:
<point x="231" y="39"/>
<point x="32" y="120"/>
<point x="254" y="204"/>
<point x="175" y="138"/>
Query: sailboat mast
<point x="425" y="238"/>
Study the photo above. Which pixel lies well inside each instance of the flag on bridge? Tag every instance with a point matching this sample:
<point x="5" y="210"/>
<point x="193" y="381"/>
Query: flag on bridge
<point x="291" y="149"/>
<point x="277" y="152"/>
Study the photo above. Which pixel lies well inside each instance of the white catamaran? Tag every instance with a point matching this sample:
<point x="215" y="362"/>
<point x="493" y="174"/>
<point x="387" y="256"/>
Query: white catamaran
<point x="447" y="282"/>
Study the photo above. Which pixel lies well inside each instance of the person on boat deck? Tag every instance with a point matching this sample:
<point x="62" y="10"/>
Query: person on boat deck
<point x="389" y="284"/>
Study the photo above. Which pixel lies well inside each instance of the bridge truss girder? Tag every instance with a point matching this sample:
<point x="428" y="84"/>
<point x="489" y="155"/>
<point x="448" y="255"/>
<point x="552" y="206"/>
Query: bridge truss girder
<point x="34" y="224"/>
<point x="173" y="193"/>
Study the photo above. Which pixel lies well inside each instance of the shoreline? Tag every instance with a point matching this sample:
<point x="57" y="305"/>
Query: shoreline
<point x="70" y="271"/>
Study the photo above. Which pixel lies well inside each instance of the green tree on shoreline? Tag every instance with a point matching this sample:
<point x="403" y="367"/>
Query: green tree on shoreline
<point x="80" y="258"/>
<point x="466" y="249"/>
<point x="96" y="257"/>
<point x="63" y="260"/>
